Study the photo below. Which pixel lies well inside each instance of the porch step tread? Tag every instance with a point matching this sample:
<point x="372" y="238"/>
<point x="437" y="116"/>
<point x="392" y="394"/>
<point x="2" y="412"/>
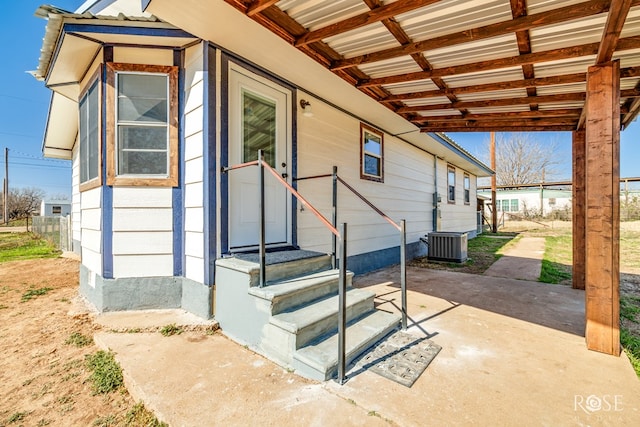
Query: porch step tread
<point x="278" y="257"/>
<point x="296" y="320"/>
<point x="299" y="284"/>
<point x="320" y="360"/>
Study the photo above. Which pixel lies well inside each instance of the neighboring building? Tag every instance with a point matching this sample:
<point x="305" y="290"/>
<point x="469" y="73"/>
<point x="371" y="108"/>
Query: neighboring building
<point x="529" y="201"/>
<point x="55" y="207"/>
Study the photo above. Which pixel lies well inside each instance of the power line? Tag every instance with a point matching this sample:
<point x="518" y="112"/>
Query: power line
<point x="20" y="135"/>
<point x="22" y="99"/>
<point x="40" y="166"/>
<point x="40" y="159"/>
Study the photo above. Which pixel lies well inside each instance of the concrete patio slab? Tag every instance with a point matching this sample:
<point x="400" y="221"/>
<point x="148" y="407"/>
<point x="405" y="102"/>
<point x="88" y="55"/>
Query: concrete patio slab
<point x="513" y="353"/>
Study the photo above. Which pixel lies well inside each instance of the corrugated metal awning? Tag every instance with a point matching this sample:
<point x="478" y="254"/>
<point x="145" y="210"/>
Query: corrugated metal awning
<point x="476" y="65"/>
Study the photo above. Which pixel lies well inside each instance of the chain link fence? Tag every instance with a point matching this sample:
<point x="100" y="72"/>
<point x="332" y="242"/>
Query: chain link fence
<point x="56" y="229"/>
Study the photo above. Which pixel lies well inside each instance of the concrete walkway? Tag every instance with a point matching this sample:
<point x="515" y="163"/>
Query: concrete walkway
<point x="522" y="260"/>
<point x="513" y="353"/>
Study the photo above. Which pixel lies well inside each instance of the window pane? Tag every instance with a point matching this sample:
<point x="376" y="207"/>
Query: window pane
<point x="142" y="162"/>
<point x="372" y="144"/>
<point x="83" y="140"/>
<point x="514" y="205"/>
<point x="466" y="196"/>
<point x="451" y="177"/>
<point x="258" y="128"/>
<point x="467" y="184"/>
<point x="142" y="98"/>
<point x="452" y="193"/>
<point x="371" y="165"/>
<point x="505" y="205"/>
<point x="142" y="85"/>
<point x="89" y="137"/>
<point x="142" y="137"/>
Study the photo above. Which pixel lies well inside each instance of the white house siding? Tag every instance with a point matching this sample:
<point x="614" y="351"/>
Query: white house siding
<point x="194" y="162"/>
<point x="91" y="229"/>
<point x="332" y="137"/>
<point x="142" y="232"/>
<point x="457" y="216"/>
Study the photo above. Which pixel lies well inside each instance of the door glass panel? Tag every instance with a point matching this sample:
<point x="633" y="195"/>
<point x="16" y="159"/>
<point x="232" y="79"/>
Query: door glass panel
<point x="258" y="128"/>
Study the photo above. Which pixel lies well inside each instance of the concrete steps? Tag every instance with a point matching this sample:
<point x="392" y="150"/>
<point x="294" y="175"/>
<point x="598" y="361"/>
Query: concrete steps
<point x="319" y="360"/>
<point x="294" y="319"/>
<point x="293" y="292"/>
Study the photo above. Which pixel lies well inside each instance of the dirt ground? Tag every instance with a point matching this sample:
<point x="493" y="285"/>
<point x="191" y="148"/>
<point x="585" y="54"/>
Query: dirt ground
<point x="43" y="380"/>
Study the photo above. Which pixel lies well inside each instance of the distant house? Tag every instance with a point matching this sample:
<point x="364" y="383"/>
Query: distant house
<point x="529" y="201"/>
<point x="55" y="207"/>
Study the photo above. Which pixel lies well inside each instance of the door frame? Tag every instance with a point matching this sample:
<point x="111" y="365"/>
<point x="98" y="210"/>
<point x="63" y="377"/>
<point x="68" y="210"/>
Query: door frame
<point x="227" y="61"/>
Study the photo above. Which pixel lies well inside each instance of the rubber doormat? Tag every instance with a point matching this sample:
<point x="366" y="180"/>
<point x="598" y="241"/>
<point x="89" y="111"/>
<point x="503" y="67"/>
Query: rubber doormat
<point x="401" y="357"/>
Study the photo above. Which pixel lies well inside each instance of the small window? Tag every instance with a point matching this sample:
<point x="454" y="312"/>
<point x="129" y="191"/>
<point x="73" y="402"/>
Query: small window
<point x="142" y="135"/>
<point x="505" y="205"/>
<point x="515" y="205"/>
<point x="371" y="154"/>
<point x="89" y="153"/>
<point x="451" y="184"/>
<point x="552" y="201"/>
<point x="56" y="210"/>
<point x="467" y="189"/>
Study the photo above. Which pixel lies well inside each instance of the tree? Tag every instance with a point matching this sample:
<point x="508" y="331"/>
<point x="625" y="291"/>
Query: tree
<point x="24" y="202"/>
<point x="520" y="159"/>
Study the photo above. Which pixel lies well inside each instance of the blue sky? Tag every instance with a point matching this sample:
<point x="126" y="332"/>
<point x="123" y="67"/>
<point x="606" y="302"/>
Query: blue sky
<point x="24" y="100"/>
<point x="24" y="103"/>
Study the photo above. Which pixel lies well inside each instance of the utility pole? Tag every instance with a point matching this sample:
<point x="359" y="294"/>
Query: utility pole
<point x="6" y="185"/>
<point x="494" y="203"/>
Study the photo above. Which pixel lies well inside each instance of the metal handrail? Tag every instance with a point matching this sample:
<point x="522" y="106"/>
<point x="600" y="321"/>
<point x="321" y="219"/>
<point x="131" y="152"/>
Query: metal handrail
<point x="341" y="235"/>
<point x="403" y="238"/>
<point x="304" y="201"/>
<point x="368" y="203"/>
<point x="400" y="227"/>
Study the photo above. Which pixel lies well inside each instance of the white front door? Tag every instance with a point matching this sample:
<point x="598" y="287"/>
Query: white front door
<point x="259" y="119"/>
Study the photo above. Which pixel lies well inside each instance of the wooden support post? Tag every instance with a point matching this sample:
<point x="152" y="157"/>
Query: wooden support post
<point x="578" y="210"/>
<point x="602" y="274"/>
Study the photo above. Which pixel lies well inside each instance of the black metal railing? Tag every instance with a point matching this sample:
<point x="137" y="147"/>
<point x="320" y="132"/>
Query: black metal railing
<point x="401" y="227"/>
<point x="337" y="236"/>
<point x="341" y="235"/>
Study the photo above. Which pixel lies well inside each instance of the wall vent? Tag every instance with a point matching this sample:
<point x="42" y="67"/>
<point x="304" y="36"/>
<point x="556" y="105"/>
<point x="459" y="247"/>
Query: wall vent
<point x="447" y="246"/>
